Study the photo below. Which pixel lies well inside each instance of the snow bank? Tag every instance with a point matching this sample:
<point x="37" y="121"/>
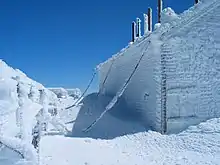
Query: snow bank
<point x="7" y="72"/>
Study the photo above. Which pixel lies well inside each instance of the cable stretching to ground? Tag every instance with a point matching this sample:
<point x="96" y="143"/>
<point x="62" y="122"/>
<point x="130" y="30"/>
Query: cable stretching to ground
<point x="18" y="152"/>
<point x="118" y="94"/>
<point x="75" y="104"/>
<point x="103" y="84"/>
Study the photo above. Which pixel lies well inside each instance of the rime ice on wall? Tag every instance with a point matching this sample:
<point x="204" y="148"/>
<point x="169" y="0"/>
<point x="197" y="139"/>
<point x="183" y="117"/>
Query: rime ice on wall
<point x="193" y="77"/>
<point x="140" y="93"/>
<point x="189" y="56"/>
<point x="168" y="15"/>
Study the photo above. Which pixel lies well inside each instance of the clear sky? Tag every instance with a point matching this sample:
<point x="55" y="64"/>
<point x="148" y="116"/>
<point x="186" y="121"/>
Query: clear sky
<point x="58" y="43"/>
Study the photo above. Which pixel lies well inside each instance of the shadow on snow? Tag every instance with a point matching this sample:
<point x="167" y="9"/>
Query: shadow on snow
<point x="119" y="121"/>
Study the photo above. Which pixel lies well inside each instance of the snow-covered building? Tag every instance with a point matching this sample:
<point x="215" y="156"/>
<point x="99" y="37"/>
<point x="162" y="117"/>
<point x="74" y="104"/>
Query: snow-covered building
<point x="177" y="82"/>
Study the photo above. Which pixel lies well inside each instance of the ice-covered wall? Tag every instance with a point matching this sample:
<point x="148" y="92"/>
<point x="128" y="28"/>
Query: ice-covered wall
<point x="140" y="93"/>
<point x="187" y="57"/>
<point x="193" y="72"/>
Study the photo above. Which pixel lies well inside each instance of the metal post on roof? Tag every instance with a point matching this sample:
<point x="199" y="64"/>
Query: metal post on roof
<point x="196" y="1"/>
<point x="149" y="19"/>
<point x="138" y="23"/>
<point x="133" y="31"/>
<point x="145" y="24"/>
<point x="159" y="10"/>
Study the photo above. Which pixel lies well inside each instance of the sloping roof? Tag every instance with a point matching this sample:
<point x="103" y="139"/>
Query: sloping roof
<point x="185" y="18"/>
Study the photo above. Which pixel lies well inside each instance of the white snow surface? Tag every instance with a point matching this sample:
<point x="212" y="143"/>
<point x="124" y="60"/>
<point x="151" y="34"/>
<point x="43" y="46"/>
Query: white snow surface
<point x="197" y="145"/>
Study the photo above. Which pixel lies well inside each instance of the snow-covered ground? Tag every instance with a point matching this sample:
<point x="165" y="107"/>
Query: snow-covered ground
<point x="119" y="140"/>
<point x="197" y="145"/>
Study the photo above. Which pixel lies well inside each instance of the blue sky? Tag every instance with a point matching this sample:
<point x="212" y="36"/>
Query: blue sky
<point x="58" y="43"/>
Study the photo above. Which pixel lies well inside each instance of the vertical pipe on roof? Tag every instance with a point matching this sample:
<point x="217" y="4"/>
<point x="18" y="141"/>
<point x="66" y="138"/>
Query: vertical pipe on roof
<point x="138" y="23"/>
<point x="149" y="19"/>
<point x="145" y="24"/>
<point x="133" y="31"/>
<point x="159" y="10"/>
